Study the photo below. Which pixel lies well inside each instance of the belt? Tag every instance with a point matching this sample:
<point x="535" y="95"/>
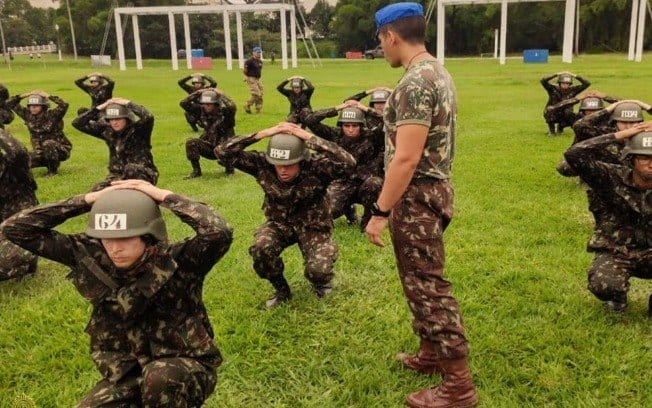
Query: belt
<point x="425" y="180"/>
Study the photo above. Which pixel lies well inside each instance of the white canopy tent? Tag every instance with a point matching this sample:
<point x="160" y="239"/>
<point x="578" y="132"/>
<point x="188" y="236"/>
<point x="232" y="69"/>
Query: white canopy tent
<point x="637" y="26"/>
<point x="171" y="11"/>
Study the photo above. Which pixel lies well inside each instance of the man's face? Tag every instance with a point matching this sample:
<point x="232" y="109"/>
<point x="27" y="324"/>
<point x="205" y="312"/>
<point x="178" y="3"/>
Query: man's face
<point x="288" y="172"/>
<point x="378" y="107"/>
<point x="564" y="85"/>
<point x="351" y="129"/>
<point x="95" y="84"/>
<point x="625" y="125"/>
<point x="118" y="124"/>
<point x="643" y="167"/>
<point x="256" y="55"/>
<point x="124" y="252"/>
<point x="35" y="109"/>
<point x="208" y="107"/>
<point x="296" y="89"/>
<point x="387" y="39"/>
<point x="198" y="85"/>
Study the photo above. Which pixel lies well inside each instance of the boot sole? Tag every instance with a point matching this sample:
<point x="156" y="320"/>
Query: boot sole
<point x="468" y="403"/>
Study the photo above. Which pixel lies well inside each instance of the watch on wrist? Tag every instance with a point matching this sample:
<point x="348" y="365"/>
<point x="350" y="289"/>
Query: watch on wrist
<point x="377" y="212"/>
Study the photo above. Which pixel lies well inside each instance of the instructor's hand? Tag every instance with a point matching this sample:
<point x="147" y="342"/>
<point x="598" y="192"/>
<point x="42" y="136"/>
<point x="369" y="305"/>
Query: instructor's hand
<point x="375" y="229"/>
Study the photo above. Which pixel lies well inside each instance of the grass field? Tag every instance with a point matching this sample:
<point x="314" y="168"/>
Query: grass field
<point x="515" y="253"/>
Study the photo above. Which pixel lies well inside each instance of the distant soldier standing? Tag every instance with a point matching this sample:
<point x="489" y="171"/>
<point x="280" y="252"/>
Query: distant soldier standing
<point x="559" y="118"/>
<point x="218" y="120"/>
<point x="150" y="336"/>
<point x="296" y="207"/>
<point x="17" y="192"/>
<point x="198" y="81"/>
<point x="99" y="87"/>
<point x="253" y="68"/>
<point x="127" y="130"/>
<point x="6" y="115"/>
<point x="298" y="95"/>
<point x="50" y="146"/>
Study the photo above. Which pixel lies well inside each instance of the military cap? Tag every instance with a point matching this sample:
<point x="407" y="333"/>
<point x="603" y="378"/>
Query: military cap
<point x="397" y="11"/>
<point x="257" y="49"/>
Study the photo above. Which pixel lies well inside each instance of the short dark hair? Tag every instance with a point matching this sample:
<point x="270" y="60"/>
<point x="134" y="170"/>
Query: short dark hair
<point x="411" y="29"/>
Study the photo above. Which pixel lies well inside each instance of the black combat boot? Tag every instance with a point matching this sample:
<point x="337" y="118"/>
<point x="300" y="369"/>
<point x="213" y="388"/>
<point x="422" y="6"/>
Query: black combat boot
<point x="350" y="214"/>
<point x="196" y="170"/>
<point x="282" y="292"/>
<point x="193" y="126"/>
<point x="551" y="129"/>
<point x="52" y="169"/>
<point x="322" y="289"/>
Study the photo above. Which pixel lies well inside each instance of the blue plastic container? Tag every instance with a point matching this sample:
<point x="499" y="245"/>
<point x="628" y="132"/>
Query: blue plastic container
<point x="199" y="52"/>
<point x="535" y="56"/>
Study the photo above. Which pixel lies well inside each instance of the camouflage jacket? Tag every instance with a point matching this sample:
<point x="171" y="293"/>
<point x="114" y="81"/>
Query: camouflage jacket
<point x="424" y="96"/>
<point x="47" y="125"/>
<point x="183" y="83"/>
<point x="155" y="308"/>
<point x="626" y="223"/>
<point x="596" y="124"/>
<point x="301" y="202"/>
<point x="218" y="125"/>
<point x="297" y="101"/>
<point x="556" y="94"/>
<point x="17" y="185"/>
<point x="6" y="115"/>
<point x="98" y="95"/>
<point x="131" y="145"/>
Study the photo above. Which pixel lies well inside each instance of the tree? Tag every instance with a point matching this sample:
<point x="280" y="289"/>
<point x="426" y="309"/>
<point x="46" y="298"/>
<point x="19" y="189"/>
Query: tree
<point x="320" y="18"/>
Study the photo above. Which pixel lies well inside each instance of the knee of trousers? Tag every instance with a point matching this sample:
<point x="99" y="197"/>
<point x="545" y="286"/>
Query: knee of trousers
<point x="16" y="263"/>
<point x="50" y="151"/>
<point x="267" y="260"/>
<point x="192" y="149"/>
<point x="166" y="383"/>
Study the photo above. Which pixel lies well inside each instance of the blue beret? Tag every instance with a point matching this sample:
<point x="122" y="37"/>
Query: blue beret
<point x="257" y="49"/>
<point x="397" y="11"/>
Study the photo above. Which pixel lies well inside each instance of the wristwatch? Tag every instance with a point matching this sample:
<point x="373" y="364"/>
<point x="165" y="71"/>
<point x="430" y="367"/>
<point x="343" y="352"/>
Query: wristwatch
<point x="377" y="212"/>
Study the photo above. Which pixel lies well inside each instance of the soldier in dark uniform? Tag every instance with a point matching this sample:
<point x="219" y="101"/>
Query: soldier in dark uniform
<point x="126" y="128"/>
<point x="150" y="335"/>
<point x="296" y="205"/>
<point x="6" y="115"/>
<point x="198" y="81"/>
<point x="364" y="183"/>
<point x="252" y="70"/>
<point x="99" y="87"/>
<point x="559" y="118"/>
<point x="417" y="200"/>
<point x="218" y="120"/>
<point x="17" y="192"/>
<point x="622" y="238"/>
<point x="298" y="95"/>
<point x="50" y="146"/>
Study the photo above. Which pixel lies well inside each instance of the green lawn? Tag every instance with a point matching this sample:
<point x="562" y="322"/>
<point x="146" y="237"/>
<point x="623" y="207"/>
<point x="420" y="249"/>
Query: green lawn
<point x="515" y="253"/>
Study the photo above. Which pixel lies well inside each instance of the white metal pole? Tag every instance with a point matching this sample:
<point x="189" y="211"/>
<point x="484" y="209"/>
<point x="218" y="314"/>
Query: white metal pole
<point x="72" y="31"/>
<point x="4" y="45"/>
<point x="569" y="22"/>
<point x="641" y="30"/>
<point x="284" y="45"/>
<point x="503" y="31"/>
<point x="118" y="36"/>
<point x="496" y="31"/>
<point x="441" y="21"/>
<point x="227" y="40"/>
<point x="238" y="29"/>
<point x="293" y="37"/>
<point x="173" y="42"/>
<point x="139" y="55"/>
<point x="186" y="37"/>
<point x="632" y="30"/>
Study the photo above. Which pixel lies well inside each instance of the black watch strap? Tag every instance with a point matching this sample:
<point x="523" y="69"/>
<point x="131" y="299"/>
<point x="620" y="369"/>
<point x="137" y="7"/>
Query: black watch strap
<point x="377" y="212"/>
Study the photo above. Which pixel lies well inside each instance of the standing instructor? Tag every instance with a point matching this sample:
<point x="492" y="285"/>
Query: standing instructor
<point x="417" y="202"/>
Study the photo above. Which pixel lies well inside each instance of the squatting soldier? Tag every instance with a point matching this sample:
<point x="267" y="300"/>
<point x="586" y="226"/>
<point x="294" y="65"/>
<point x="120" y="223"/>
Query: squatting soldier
<point x="253" y="68"/>
<point x="198" y="81"/>
<point x="364" y="183"/>
<point x="420" y="119"/>
<point x="99" y="88"/>
<point x="621" y="240"/>
<point x="127" y="131"/>
<point x="150" y="335"/>
<point x="374" y="118"/>
<point x="50" y="146"/>
<point x="296" y="206"/>
<point x="218" y="120"/>
<point x="17" y="192"/>
<point x="298" y="95"/>
<point x="558" y="119"/>
<point x="6" y="115"/>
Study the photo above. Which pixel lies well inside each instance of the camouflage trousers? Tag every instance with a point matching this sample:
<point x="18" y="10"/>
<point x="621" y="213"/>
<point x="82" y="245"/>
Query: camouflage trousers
<point x="316" y="245"/>
<point x="196" y="148"/>
<point x="610" y="273"/>
<point x="565" y="169"/>
<point x="256" y="90"/>
<point x="50" y="155"/>
<point x="565" y="117"/>
<point x="167" y="382"/>
<point x="343" y="193"/>
<point x="417" y="224"/>
<point x="130" y="171"/>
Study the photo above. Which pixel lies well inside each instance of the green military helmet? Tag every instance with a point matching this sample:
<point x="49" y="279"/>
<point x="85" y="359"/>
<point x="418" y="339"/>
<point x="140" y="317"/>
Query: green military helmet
<point x="379" y="96"/>
<point x="351" y="115"/>
<point x="296" y="83"/>
<point x="197" y="79"/>
<point x="116" y="111"/>
<point x="94" y="78"/>
<point x="591" y="103"/>
<point x="209" y="97"/>
<point x="564" y="79"/>
<point x="627" y="112"/>
<point x="640" y="143"/>
<point x="36" y="99"/>
<point x="125" y="214"/>
<point x="284" y="149"/>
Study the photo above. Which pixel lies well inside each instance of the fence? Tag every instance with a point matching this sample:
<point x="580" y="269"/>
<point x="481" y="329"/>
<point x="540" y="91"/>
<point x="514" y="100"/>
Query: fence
<point x="33" y="49"/>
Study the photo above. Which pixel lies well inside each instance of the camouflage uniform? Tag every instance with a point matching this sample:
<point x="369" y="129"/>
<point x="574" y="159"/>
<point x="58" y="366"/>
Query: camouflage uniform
<point x="6" y="115"/>
<point x="193" y="111"/>
<point x="297" y="211"/>
<point x="562" y="116"/>
<point x="50" y="146"/>
<point x="622" y="236"/>
<point x="218" y="127"/>
<point x="376" y="129"/>
<point x="426" y="96"/>
<point x="130" y="151"/>
<point x="150" y="335"/>
<point x="17" y="192"/>
<point x="299" y="103"/>
<point x="365" y="182"/>
<point x="99" y="94"/>
<point x="253" y="69"/>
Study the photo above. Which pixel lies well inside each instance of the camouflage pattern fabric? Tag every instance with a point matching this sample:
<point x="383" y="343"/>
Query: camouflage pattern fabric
<point x="256" y="91"/>
<point x="6" y="115"/>
<point x="564" y="114"/>
<point x="299" y="103"/>
<point x="296" y="211"/>
<point x="189" y="88"/>
<point x="426" y="96"/>
<point x="609" y="273"/>
<point x="156" y="313"/>
<point x="99" y="94"/>
<point x="130" y="151"/>
<point x="17" y="192"/>
<point x="623" y="230"/>
<point x="50" y="146"/>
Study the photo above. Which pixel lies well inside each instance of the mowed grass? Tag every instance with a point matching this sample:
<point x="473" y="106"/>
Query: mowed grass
<point x="515" y="253"/>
